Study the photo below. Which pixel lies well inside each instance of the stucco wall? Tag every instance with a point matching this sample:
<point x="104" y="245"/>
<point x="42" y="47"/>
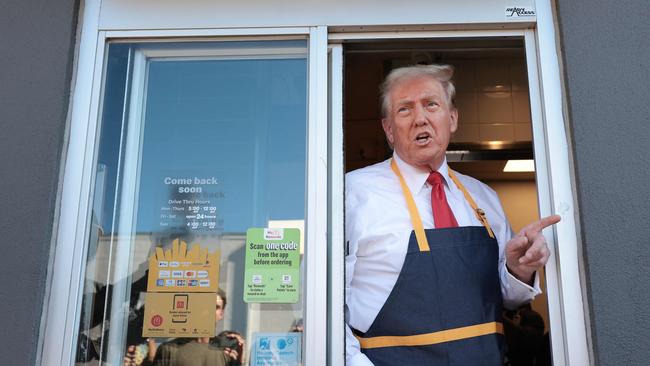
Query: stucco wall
<point x="605" y="52"/>
<point x="36" y="46"/>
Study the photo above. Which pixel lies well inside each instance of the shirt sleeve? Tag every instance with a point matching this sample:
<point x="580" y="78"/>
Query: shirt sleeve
<point x="516" y="293"/>
<point x="353" y="355"/>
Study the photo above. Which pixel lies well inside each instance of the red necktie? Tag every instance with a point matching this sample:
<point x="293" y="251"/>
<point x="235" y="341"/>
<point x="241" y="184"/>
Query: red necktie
<point x="442" y="215"/>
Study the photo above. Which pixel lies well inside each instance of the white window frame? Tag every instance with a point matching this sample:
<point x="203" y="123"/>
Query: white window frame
<point x="336" y="255"/>
<point x="567" y="310"/>
<point x="122" y="249"/>
<point x="62" y="306"/>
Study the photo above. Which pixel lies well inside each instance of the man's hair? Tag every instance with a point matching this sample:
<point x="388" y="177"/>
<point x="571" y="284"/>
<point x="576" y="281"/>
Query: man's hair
<point x="441" y="73"/>
<point x="222" y="294"/>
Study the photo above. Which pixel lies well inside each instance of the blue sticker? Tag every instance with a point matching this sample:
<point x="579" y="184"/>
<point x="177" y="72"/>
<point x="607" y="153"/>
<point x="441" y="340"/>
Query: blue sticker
<point x="276" y="349"/>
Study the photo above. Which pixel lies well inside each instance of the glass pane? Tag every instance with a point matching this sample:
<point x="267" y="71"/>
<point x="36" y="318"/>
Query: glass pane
<point x="199" y="143"/>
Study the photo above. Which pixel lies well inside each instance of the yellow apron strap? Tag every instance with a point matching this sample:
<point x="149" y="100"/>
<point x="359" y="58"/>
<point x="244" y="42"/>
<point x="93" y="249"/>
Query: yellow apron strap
<point x="427" y="339"/>
<point x="423" y="243"/>
<point x="480" y="214"/>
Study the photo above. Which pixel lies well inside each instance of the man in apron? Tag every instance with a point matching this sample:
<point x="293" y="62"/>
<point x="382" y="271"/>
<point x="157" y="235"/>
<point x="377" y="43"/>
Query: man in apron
<point x="430" y="256"/>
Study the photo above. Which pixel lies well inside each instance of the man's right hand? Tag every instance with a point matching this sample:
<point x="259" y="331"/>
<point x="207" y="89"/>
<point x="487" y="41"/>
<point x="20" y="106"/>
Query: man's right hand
<point x="527" y="251"/>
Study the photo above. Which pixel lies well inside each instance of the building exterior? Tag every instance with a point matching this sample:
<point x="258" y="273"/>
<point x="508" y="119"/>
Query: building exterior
<point x="586" y="71"/>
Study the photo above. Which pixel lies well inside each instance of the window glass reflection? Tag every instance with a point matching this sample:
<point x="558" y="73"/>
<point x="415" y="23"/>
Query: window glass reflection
<point x="195" y="148"/>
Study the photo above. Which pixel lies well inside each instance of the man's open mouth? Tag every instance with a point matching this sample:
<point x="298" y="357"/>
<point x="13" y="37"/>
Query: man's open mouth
<point x="422" y="138"/>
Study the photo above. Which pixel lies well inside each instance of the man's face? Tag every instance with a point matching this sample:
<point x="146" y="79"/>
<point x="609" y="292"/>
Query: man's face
<point x="219" y="309"/>
<point x="420" y="122"/>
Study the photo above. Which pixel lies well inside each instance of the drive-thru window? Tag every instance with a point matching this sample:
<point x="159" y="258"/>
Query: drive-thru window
<point x="208" y="146"/>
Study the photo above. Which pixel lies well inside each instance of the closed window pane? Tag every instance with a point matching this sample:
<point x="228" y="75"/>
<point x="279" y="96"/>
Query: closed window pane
<point x="199" y="142"/>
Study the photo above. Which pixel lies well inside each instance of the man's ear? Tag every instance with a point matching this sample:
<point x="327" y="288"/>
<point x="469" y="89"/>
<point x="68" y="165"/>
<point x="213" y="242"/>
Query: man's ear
<point x="453" y="120"/>
<point x="388" y="130"/>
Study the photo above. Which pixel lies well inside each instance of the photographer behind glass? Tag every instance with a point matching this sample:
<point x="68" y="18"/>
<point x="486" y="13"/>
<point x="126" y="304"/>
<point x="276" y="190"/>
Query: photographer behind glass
<point x="430" y="256"/>
<point x="226" y="349"/>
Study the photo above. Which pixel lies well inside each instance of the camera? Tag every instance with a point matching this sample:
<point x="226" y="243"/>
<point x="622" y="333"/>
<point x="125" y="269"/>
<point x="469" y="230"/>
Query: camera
<point x="223" y="341"/>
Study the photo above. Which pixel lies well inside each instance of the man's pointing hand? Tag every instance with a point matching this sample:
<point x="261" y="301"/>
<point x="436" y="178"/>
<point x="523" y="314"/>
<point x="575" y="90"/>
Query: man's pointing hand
<point x="527" y="251"/>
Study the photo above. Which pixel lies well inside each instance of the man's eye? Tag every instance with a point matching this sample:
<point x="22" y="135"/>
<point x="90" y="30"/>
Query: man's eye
<point x="402" y="110"/>
<point x="432" y="104"/>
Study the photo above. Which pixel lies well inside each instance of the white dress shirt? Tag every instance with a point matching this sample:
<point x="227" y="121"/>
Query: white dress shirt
<point x="377" y="229"/>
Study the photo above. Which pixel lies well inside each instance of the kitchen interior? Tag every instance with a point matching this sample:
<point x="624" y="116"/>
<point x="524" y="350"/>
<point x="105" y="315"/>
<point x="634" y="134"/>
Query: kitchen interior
<point x="494" y="141"/>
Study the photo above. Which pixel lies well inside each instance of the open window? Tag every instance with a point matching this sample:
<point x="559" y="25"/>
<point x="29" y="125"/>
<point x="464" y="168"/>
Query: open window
<point x="496" y="128"/>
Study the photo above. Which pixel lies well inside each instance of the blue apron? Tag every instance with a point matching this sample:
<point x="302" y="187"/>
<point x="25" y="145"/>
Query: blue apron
<point x="445" y="308"/>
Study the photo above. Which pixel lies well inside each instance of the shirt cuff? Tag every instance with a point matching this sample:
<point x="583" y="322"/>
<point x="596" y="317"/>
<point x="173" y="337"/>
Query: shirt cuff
<point x="519" y="293"/>
<point x="358" y="359"/>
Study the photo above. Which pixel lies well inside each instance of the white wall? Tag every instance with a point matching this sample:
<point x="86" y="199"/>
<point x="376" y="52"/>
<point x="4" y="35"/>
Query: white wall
<point x="168" y="14"/>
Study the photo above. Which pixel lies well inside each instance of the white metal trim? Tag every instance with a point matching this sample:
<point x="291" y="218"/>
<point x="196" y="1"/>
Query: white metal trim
<point x="425" y="34"/>
<point x="336" y="255"/>
<point x="562" y="190"/>
<point x="215" y="32"/>
<point x="235" y="53"/>
<point x="210" y="39"/>
<point x="121" y="250"/>
<point x="215" y="58"/>
<point x="316" y="236"/>
<point x="553" y="286"/>
<point x="63" y="293"/>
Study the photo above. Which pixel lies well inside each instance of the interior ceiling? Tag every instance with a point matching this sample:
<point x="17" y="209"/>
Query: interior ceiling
<point x="490" y="170"/>
<point x="483" y="160"/>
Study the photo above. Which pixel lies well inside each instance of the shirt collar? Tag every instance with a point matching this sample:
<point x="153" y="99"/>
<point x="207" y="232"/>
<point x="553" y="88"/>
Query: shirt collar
<point x="415" y="177"/>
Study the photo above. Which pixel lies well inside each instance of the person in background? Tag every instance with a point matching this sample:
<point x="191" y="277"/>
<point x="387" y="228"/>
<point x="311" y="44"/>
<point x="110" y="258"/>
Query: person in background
<point x="430" y="255"/>
<point x="192" y="351"/>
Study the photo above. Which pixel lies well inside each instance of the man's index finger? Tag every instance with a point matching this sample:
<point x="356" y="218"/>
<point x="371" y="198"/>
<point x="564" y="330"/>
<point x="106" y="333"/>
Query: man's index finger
<point x="543" y="223"/>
